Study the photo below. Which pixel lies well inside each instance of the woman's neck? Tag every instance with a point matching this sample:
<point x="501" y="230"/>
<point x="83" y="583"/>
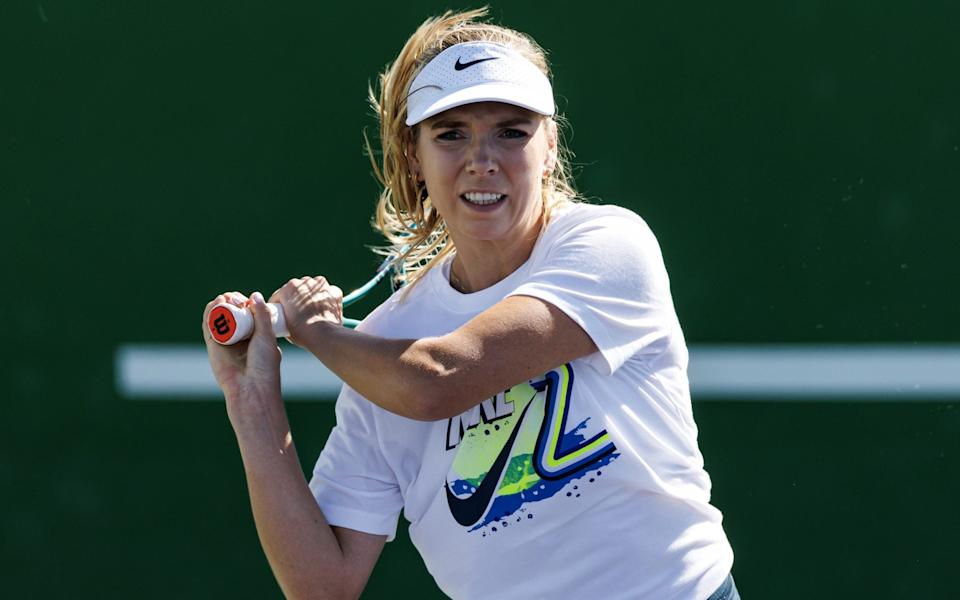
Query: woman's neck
<point x="478" y="265"/>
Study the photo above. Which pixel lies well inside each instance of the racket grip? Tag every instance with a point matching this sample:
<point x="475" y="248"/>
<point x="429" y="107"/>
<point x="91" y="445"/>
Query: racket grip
<point x="229" y="324"/>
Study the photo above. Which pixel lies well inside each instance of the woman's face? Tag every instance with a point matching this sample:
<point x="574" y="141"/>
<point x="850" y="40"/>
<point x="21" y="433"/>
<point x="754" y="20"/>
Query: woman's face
<point x="483" y="165"/>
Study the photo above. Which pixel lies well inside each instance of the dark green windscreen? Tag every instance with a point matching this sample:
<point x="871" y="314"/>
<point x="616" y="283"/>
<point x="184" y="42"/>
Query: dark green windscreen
<point x="799" y="162"/>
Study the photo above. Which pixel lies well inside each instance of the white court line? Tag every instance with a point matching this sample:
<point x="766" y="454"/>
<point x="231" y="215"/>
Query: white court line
<point x="749" y="372"/>
<point x="870" y="372"/>
<point x="167" y="371"/>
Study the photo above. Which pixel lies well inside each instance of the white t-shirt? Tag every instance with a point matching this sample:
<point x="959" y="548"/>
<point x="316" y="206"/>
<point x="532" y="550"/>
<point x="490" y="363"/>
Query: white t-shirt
<point x="587" y="480"/>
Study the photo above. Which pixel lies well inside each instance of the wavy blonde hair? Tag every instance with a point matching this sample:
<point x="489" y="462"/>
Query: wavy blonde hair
<point x="415" y="231"/>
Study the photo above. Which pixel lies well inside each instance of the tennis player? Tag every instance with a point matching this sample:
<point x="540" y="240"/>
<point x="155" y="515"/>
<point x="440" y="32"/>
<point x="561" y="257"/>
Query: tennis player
<point x="523" y="400"/>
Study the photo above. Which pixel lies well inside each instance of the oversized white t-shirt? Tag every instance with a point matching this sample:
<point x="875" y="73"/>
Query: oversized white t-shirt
<point x="586" y="480"/>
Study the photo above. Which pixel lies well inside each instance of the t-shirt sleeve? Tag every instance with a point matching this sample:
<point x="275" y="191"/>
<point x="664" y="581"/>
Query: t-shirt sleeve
<point x="352" y="481"/>
<point x="607" y="274"/>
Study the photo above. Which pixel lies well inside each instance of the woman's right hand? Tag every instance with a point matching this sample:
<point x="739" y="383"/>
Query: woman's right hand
<point x="248" y="372"/>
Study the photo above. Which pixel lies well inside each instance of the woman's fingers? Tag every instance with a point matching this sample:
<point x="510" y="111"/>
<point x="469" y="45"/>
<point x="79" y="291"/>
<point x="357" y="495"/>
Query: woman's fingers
<point x="237" y="299"/>
<point x="302" y="291"/>
<point x="304" y="300"/>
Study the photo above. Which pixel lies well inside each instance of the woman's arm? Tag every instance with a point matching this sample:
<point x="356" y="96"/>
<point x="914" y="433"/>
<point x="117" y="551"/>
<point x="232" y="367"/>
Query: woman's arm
<point x="437" y="377"/>
<point x="309" y="558"/>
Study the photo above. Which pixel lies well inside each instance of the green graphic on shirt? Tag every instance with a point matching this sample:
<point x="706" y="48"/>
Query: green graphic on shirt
<point x="480" y="445"/>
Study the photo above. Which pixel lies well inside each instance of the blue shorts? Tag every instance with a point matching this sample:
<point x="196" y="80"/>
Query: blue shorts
<point x="726" y="591"/>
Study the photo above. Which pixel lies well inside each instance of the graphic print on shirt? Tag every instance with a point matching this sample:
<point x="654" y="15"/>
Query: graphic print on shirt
<point x="514" y="450"/>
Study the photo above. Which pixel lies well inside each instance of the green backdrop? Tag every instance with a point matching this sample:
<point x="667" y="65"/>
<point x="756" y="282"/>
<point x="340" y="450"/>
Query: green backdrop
<point x="798" y="162"/>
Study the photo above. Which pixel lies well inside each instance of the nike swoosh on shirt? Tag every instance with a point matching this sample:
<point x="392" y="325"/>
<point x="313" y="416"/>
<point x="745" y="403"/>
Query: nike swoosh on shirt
<point x="468" y="511"/>
<point x="461" y="66"/>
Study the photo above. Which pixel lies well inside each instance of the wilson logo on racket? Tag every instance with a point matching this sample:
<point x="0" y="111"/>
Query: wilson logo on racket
<point x="221" y="324"/>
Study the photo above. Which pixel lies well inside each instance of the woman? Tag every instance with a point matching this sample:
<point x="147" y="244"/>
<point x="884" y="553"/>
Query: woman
<point x="523" y="399"/>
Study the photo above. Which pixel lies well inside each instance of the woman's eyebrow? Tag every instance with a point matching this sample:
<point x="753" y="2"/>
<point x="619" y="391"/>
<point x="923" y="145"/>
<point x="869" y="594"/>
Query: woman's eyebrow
<point x="447" y="124"/>
<point x="515" y="121"/>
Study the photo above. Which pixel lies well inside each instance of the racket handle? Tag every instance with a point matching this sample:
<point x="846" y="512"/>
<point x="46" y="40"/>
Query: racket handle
<point x="229" y="324"/>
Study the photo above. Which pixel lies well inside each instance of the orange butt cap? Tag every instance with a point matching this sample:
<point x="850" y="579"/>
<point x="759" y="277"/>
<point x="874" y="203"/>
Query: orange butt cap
<point x="221" y="324"/>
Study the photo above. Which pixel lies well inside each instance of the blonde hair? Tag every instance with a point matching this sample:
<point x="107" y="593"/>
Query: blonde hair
<point x="414" y="230"/>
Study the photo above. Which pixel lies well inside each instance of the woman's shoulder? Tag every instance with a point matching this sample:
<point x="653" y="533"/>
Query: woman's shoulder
<point x="577" y="213"/>
<point x="581" y="218"/>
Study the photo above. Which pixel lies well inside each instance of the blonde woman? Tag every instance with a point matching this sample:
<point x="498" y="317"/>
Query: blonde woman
<point x="523" y="400"/>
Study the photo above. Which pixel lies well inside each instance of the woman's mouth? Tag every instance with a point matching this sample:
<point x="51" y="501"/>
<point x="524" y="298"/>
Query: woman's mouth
<point x="482" y="198"/>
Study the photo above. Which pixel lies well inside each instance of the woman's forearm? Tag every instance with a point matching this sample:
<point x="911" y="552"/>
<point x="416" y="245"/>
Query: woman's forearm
<point x="300" y="545"/>
<point x="435" y="378"/>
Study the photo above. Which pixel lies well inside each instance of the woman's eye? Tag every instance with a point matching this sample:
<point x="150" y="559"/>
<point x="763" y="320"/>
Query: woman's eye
<point x="453" y="134"/>
<point x="514" y="133"/>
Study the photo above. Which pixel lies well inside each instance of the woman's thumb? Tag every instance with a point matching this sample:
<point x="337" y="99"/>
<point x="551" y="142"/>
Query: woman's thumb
<point x="262" y="326"/>
<point x="263" y="354"/>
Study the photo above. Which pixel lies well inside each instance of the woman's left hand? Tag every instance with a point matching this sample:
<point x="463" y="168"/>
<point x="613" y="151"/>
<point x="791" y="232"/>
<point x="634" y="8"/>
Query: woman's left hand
<point x="307" y="301"/>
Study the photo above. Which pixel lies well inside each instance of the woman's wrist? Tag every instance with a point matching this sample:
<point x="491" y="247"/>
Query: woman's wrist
<point x="318" y="335"/>
<point x="256" y="412"/>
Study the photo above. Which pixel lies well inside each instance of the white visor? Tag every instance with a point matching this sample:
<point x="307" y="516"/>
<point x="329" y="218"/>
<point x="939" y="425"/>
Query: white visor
<point x="477" y="72"/>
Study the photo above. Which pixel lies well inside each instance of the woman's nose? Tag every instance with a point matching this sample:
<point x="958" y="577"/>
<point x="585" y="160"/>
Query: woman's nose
<point x="481" y="159"/>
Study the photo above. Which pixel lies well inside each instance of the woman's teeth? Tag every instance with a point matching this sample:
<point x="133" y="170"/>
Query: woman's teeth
<point x="480" y="198"/>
